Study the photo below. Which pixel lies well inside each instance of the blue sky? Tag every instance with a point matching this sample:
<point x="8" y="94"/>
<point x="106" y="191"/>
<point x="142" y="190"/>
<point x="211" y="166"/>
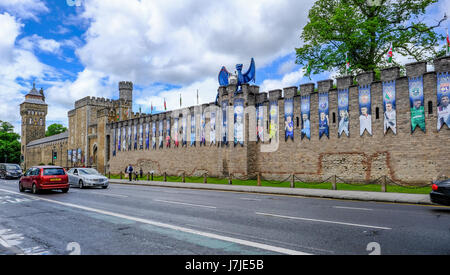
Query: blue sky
<point x="164" y="47"/>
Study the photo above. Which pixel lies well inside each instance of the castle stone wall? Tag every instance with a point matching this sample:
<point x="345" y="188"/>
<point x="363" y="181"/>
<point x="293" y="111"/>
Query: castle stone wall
<point x="405" y="157"/>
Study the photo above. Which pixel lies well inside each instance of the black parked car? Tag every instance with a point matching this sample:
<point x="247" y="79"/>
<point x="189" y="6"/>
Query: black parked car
<point x="10" y="171"/>
<point x="441" y="192"/>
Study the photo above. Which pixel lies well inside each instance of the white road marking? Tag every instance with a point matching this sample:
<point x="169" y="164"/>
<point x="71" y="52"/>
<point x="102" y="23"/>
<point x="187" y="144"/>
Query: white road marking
<point x="189" y="204"/>
<point x="108" y="194"/>
<point x="13" y="242"/>
<point x="263" y="239"/>
<point x="250" y="199"/>
<point x="353" y="208"/>
<point x="323" y="221"/>
<point x="173" y="227"/>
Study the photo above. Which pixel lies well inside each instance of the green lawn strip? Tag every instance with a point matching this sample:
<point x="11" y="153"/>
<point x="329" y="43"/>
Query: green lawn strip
<point x="326" y="186"/>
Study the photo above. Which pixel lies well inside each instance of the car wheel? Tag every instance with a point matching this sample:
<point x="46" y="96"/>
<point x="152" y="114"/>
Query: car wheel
<point x="81" y="184"/>
<point x="34" y="189"/>
<point x="21" y="189"/>
<point x="65" y="190"/>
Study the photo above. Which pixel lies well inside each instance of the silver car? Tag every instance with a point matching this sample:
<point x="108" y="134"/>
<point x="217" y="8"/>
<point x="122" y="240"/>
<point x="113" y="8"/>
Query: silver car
<point x="87" y="177"/>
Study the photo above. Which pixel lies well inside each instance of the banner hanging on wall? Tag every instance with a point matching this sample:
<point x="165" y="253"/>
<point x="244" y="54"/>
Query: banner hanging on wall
<point x="289" y="118"/>
<point x="389" y="107"/>
<point x="115" y="142"/>
<point x="273" y="120"/>
<point x="212" y="130"/>
<point x="239" y="122"/>
<point x="130" y="138"/>
<point x="417" y="103"/>
<point x="365" y="110"/>
<point x="161" y="134"/>
<point x="202" y="129"/>
<point x="225" y="122"/>
<point x="184" y="131"/>
<point x="69" y="155"/>
<point x="306" y="115"/>
<point x="343" y="117"/>
<point x="260" y="122"/>
<point x="175" y="132"/>
<point x="74" y="155"/>
<point x="79" y="155"/>
<point x="193" y="137"/>
<point x="324" y="122"/>
<point x="154" y="135"/>
<point x="443" y="99"/>
<point x="147" y="136"/>
<point x="141" y="137"/>
<point x="135" y="137"/>
<point x="168" y="132"/>
<point x="119" y="133"/>
<point x="124" y="143"/>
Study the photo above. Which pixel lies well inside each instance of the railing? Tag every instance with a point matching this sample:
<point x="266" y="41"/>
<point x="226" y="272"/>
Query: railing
<point x="291" y="180"/>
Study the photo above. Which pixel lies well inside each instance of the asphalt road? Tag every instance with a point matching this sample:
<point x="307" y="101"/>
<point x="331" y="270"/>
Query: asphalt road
<point x="166" y="221"/>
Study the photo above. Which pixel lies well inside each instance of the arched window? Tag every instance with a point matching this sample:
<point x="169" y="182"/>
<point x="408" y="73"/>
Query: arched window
<point x="377" y="113"/>
<point x="334" y="117"/>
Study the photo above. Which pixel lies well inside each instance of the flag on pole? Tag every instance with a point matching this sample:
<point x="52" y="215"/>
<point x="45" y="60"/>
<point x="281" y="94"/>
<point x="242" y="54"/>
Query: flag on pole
<point x="140" y="110"/>
<point x="197" y="96"/>
<point x="180" y="100"/>
<point x="390" y="54"/>
<point x="165" y="105"/>
<point x="448" y="44"/>
<point x="347" y="63"/>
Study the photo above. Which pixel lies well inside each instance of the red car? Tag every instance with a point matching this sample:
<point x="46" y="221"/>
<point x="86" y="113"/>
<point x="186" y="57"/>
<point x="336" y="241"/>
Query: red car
<point x="44" y="178"/>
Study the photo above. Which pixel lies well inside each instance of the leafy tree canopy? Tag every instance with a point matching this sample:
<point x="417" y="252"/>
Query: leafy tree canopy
<point x="365" y="29"/>
<point x="55" y="129"/>
<point x="9" y="143"/>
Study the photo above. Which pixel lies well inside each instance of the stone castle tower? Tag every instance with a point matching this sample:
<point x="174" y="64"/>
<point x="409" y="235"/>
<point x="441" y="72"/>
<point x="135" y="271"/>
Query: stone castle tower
<point x="126" y="90"/>
<point x="33" y="112"/>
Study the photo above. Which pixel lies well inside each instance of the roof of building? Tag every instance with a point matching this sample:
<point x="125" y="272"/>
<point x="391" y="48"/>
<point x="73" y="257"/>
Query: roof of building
<point x="34" y="91"/>
<point x="35" y="101"/>
<point x="61" y="136"/>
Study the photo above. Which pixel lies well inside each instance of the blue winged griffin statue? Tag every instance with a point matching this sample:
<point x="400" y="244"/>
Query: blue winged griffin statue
<point x="226" y="78"/>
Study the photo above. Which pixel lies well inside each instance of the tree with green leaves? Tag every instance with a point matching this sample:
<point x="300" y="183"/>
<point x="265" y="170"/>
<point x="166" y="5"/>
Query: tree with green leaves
<point x="364" y="30"/>
<point x="9" y="143"/>
<point x="55" y="129"/>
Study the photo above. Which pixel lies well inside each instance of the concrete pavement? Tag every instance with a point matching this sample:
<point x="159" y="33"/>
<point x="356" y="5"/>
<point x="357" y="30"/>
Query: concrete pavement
<point x="317" y="193"/>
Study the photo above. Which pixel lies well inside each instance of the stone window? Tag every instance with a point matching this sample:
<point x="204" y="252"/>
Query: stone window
<point x="377" y="113"/>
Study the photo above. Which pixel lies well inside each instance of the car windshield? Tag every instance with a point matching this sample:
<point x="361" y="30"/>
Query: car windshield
<point x="12" y="167"/>
<point x="54" y="172"/>
<point x="88" y="171"/>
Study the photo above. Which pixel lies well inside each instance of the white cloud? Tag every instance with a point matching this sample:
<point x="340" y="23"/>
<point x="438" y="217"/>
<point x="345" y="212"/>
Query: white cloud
<point x="180" y="42"/>
<point x="15" y="63"/>
<point x="26" y="9"/>
<point x="44" y="45"/>
<point x="291" y="79"/>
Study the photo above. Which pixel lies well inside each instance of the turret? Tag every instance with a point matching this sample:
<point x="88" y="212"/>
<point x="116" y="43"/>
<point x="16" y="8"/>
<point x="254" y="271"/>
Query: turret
<point x="126" y="90"/>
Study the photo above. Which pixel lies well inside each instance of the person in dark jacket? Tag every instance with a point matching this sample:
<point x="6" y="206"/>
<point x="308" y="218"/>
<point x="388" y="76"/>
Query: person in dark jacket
<point x="129" y="170"/>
